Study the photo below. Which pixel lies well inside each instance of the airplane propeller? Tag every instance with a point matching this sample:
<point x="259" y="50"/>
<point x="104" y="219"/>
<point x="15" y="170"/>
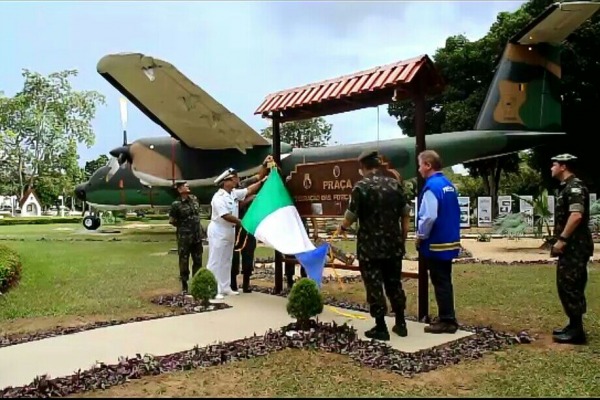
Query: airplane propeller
<point x="122" y="153"/>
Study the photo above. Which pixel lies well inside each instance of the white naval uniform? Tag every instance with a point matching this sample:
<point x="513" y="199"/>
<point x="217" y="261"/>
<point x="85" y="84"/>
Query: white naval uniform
<point x="221" y="236"/>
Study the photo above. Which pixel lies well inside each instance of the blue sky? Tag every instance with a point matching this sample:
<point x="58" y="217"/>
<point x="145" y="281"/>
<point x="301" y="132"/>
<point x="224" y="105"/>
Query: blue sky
<point x="237" y="51"/>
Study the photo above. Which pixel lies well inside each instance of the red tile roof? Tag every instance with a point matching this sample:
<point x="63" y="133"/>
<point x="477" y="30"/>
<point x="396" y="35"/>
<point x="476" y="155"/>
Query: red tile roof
<point x="337" y="93"/>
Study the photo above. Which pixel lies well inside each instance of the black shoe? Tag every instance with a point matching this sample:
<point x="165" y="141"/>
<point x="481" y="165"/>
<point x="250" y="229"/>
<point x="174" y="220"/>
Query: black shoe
<point x="378" y="333"/>
<point x="442" y="327"/>
<point x="571" y="336"/>
<point x="246" y="284"/>
<point x="400" y="329"/>
<point x="560" y="331"/>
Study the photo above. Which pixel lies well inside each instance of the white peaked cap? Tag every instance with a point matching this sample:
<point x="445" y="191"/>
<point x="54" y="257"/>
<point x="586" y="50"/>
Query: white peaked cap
<point x="228" y="173"/>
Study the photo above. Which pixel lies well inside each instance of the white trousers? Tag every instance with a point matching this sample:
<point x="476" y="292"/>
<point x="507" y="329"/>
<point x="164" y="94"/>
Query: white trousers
<point x="221" y="241"/>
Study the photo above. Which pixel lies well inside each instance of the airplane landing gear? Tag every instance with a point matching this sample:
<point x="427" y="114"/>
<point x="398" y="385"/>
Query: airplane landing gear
<point x="91" y="222"/>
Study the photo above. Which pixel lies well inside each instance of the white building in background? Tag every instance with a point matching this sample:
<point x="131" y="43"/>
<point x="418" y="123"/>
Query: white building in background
<point x="30" y="205"/>
<point x="8" y="205"/>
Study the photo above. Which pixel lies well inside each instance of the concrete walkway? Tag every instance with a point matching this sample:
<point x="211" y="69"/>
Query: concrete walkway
<point x="64" y="355"/>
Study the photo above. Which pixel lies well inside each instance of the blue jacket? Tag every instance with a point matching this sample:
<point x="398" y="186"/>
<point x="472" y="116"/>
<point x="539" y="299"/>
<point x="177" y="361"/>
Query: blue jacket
<point x="441" y="240"/>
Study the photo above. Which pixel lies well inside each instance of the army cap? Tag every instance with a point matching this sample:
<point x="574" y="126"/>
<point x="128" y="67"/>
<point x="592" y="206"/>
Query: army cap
<point x="227" y="174"/>
<point x="368" y="154"/>
<point x="564" y="158"/>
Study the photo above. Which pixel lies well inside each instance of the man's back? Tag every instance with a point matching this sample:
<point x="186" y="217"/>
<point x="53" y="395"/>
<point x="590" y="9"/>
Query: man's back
<point x="379" y="203"/>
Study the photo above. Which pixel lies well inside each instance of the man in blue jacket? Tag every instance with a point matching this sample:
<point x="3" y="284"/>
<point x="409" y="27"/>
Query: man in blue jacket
<point x="438" y="236"/>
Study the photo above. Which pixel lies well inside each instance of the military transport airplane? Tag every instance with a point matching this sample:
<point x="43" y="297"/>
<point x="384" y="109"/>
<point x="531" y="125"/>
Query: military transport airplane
<point x="522" y="110"/>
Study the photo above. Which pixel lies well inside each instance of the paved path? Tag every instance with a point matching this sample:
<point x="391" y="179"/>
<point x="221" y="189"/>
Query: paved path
<point x="250" y="314"/>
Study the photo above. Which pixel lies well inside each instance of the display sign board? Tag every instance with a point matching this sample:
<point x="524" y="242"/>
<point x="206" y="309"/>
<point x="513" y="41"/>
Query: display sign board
<point x="465" y="213"/>
<point x="551" y="207"/>
<point x="323" y="189"/>
<point x="504" y="205"/>
<point x="484" y="211"/>
<point x="526" y="208"/>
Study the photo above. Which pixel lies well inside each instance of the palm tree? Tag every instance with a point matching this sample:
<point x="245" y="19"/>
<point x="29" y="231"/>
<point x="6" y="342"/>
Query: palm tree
<point x="516" y="224"/>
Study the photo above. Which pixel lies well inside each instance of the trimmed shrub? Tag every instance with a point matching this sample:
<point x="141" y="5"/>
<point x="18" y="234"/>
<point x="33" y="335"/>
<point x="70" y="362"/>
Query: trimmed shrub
<point x="10" y="268"/>
<point x="39" y="220"/>
<point x="203" y="286"/>
<point x="304" y="302"/>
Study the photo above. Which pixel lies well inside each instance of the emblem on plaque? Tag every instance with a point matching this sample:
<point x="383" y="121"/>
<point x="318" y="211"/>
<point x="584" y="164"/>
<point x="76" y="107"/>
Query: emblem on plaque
<point x="307" y="183"/>
<point x="336" y="171"/>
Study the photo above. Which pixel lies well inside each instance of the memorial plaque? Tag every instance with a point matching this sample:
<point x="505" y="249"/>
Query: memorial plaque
<point x="323" y="189"/>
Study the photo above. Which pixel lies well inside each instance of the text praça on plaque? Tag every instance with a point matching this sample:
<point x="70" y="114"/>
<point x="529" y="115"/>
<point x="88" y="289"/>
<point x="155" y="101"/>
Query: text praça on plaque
<point x="338" y="184"/>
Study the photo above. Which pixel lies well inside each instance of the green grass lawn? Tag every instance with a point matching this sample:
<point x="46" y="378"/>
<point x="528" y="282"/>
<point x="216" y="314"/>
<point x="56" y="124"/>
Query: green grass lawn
<point x="68" y="280"/>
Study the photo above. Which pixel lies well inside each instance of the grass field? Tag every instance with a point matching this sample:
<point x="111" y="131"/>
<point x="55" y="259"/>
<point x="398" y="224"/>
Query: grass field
<point x="69" y="280"/>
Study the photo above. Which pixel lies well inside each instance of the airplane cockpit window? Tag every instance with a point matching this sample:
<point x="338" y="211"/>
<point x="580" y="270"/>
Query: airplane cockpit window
<point x="114" y="167"/>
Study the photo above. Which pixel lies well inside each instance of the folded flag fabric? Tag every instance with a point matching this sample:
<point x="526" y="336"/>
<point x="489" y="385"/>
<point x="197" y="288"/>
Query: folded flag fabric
<point x="273" y="219"/>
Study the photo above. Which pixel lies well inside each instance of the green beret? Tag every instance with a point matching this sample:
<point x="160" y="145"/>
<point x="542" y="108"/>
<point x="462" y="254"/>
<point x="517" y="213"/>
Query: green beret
<point x="562" y="158"/>
<point x="368" y="154"/>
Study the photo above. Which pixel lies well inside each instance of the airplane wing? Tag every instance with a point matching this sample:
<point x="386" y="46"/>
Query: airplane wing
<point x="556" y="23"/>
<point x="175" y="103"/>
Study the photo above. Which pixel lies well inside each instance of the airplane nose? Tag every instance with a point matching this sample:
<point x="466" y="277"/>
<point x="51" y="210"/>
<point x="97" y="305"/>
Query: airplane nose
<point x="80" y="192"/>
<point x="122" y="154"/>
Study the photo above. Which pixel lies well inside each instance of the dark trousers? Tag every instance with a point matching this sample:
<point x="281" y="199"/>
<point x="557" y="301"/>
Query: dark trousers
<point x="571" y="280"/>
<point x="380" y="274"/>
<point x="247" y="243"/>
<point x="440" y="272"/>
<point x="189" y="246"/>
<point x="290" y="271"/>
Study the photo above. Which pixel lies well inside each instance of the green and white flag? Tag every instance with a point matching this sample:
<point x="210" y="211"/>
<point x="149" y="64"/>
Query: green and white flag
<point x="273" y="219"/>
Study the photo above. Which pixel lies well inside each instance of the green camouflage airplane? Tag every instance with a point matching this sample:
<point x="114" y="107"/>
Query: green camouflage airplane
<point x="522" y="110"/>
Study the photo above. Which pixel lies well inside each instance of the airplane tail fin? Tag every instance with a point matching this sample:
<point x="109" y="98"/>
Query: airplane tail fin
<point x="525" y="92"/>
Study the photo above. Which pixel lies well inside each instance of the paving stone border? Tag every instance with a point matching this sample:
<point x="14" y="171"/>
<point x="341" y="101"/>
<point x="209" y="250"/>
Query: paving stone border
<point x="176" y="302"/>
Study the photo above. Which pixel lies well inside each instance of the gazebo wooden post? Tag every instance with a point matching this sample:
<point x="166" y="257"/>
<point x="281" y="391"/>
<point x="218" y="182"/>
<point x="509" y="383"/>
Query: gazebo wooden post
<point x="276" y="119"/>
<point x="423" y="285"/>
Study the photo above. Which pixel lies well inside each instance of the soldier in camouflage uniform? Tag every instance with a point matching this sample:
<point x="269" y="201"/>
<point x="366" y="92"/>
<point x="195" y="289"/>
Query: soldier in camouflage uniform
<point x="574" y="247"/>
<point x="185" y="216"/>
<point x="378" y="203"/>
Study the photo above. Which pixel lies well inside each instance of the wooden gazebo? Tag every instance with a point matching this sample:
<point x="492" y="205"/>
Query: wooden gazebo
<point x="410" y="79"/>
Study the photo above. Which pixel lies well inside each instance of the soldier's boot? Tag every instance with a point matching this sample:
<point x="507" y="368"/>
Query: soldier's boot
<point x="400" y="327"/>
<point x="574" y="334"/>
<point x="560" y="331"/>
<point x="246" y="284"/>
<point x="379" y="331"/>
<point x="184" y="287"/>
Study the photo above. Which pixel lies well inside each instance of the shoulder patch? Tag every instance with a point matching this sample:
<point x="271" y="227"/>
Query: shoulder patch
<point x="576" y="190"/>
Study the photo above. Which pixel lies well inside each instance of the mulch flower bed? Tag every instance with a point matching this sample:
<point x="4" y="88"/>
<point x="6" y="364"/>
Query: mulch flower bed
<point x="340" y="339"/>
<point x="178" y="303"/>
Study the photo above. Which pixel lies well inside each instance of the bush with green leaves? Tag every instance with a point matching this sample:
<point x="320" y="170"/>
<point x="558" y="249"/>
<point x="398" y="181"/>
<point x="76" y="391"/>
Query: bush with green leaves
<point x="203" y="286"/>
<point x="10" y="268"/>
<point x="304" y="302"/>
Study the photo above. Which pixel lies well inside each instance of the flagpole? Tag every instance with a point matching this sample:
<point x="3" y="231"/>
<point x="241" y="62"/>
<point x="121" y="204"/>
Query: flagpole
<point x="276" y="145"/>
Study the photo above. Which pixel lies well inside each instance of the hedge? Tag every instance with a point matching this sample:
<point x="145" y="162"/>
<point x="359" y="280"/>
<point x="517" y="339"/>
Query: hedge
<point x="71" y="220"/>
<point x="10" y="268"/>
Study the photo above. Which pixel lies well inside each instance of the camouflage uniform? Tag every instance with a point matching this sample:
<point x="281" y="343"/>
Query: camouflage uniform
<point x="378" y="202"/>
<point x="186" y="216"/>
<point x="571" y="272"/>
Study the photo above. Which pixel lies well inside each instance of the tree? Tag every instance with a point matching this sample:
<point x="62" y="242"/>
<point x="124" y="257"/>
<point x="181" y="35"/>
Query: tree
<point x="92" y="165"/>
<point x="43" y="123"/>
<point x="468" y="68"/>
<point x="314" y="132"/>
